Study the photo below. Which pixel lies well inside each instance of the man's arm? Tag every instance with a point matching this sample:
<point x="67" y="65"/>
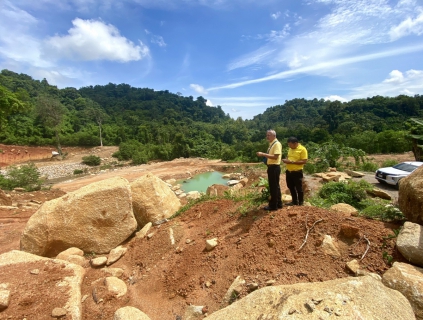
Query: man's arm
<point x="268" y="156"/>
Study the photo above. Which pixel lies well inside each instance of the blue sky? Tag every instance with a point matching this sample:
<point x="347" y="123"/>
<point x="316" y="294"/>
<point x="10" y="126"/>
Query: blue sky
<point x="243" y="55"/>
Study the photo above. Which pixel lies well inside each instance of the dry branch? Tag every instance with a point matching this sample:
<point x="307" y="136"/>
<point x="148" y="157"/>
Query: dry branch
<point x="367" y="249"/>
<point x="308" y="231"/>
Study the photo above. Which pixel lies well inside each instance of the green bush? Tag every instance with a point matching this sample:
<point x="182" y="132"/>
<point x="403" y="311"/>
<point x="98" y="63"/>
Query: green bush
<point x="310" y="168"/>
<point x="384" y="212"/>
<point x="78" y="171"/>
<point x="139" y="158"/>
<point x="265" y="193"/>
<point x="351" y="193"/>
<point x="369" y="166"/>
<point x="27" y="177"/>
<point x="389" y="163"/>
<point x="127" y="150"/>
<point x="91" y="160"/>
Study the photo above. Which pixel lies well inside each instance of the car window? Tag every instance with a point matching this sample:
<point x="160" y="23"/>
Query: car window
<point x="405" y="167"/>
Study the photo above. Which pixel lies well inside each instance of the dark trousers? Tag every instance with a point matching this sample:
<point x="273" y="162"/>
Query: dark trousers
<point x="294" y="181"/>
<point x="273" y="174"/>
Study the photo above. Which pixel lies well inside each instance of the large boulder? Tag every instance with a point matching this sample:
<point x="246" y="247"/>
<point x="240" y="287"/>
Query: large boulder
<point x="410" y="243"/>
<point x="95" y="218"/>
<point x="408" y="280"/>
<point x="410" y="200"/>
<point x="346" y="298"/>
<point x="152" y="199"/>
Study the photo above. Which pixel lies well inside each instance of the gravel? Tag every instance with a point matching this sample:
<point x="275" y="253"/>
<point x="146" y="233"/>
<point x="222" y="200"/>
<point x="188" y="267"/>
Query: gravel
<point x="57" y="170"/>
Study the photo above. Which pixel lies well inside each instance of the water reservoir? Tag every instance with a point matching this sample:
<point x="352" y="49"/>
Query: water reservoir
<point x="202" y="181"/>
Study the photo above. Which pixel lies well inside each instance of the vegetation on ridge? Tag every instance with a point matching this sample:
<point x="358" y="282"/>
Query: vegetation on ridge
<point x="149" y="124"/>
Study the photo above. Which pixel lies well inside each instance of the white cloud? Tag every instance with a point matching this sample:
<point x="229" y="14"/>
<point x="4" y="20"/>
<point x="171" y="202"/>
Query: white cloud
<point x="408" y="83"/>
<point x="209" y="103"/>
<point x="197" y="88"/>
<point x="350" y="27"/>
<point x="90" y="40"/>
<point x="276" y="15"/>
<point x="335" y="98"/>
<point x="16" y="28"/>
<point x="244" y="101"/>
<point x="407" y="27"/>
<point x="326" y="65"/>
<point x="255" y="57"/>
<point x="158" y="40"/>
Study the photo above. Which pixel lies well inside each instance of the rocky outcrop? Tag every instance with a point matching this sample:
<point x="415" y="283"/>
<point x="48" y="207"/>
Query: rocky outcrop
<point x="217" y="190"/>
<point x="376" y="192"/>
<point x="410" y="243"/>
<point x="332" y="176"/>
<point x="408" y="280"/>
<point x="69" y="282"/>
<point x="95" y="218"/>
<point x="347" y="298"/>
<point x="345" y="209"/>
<point x="410" y="200"/>
<point x="152" y="199"/>
<point x="5" y="199"/>
<point x="354" y="174"/>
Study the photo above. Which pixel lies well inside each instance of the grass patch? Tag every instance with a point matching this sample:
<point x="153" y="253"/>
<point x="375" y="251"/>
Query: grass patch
<point x="91" y="160"/>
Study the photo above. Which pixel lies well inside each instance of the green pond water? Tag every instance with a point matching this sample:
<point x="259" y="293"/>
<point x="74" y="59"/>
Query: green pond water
<point x="202" y="181"/>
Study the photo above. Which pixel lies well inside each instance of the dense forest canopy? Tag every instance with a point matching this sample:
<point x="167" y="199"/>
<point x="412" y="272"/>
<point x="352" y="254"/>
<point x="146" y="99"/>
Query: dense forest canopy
<point x="164" y="125"/>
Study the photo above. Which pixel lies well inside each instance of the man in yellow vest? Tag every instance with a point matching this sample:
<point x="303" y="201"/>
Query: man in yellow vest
<point x="273" y="161"/>
<point x="297" y="158"/>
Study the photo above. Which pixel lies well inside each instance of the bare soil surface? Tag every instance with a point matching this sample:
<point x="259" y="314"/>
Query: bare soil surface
<point x="171" y="269"/>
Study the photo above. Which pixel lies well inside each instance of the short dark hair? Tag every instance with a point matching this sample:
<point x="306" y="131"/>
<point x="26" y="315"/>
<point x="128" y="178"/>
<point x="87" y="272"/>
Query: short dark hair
<point x="292" y="139"/>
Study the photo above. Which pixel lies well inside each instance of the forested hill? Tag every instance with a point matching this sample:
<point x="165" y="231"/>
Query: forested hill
<point x="312" y="118"/>
<point x="164" y="125"/>
<point x="146" y="104"/>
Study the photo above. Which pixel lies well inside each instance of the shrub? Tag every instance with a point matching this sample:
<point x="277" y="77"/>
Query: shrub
<point x="78" y="171"/>
<point x="369" y="166"/>
<point x="310" y="168"/>
<point x="351" y="193"/>
<point x="384" y="212"/>
<point x="265" y="192"/>
<point x="91" y="160"/>
<point x="389" y="163"/>
<point x="139" y="158"/>
<point x="27" y="177"/>
<point x="127" y="150"/>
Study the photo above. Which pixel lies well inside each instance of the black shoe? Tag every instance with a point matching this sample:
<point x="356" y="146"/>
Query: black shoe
<point x="292" y="204"/>
<point x="269" y="208"/>
<point x="280" y="206"/>
<point x="301" y="203"/>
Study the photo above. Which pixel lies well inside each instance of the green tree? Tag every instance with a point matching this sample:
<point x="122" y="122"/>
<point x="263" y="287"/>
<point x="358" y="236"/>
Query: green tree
<point x="416" y="136"/>
<point x="328" y="154"/>
<point x="51" y="112"/>
<point x="94" y="111"/>
<point x="9" y="104"/>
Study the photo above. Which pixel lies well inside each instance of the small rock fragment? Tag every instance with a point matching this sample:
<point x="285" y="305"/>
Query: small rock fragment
<point x="58" y="312"/>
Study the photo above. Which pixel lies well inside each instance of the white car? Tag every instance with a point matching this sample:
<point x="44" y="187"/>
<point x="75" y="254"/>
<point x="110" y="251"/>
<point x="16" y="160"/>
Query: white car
<point x="392" y="175"/>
